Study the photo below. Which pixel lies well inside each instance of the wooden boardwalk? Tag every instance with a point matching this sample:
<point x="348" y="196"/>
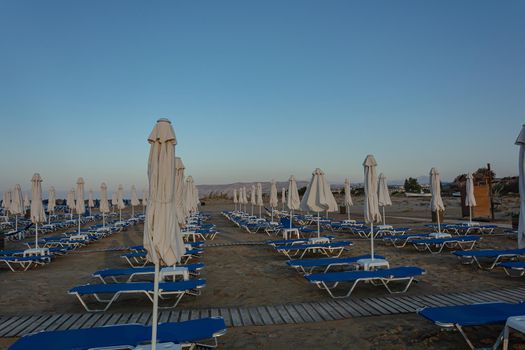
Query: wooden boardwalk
<point x="330" y="310"/>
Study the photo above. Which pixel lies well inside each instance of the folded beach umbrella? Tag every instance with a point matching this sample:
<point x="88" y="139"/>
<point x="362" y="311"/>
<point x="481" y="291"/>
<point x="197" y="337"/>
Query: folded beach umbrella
<point x="520" y="141"/>
<point x="283" y="197"/>
<point x="470" y="199"/>
<point x="318" y="197"/>
<point x="235" y="201"/>
<point x="274" y="201"/>
<point x="294" y="201"/>
<point x="27" y="201"/>
<point x="6" y="202"/>
<point x="383" y="195"/>
<point x="189" y="196"/>
<point x="179" y="189"/>
<point x="436" y="203"/>
<point x="80" y="205"/>
<point x="91" y="202"/>
<point x="51" y="201"/>
<point x="371" y="205"/>
<point x="348" y="197"/>
<point x="17" y="204"/>
<point x="162" y="237"/>
<point x="104" y="205"/>
<point x="37" y="208"/>
<point x="120" y="200"/>
<point x="70" y="202"/>
<point x="253" y="199"/>
<point x="134" y="200"/>
<point x="260" y="202"/>
<point x="114" y="200"/>
<point x="197" y="199"/>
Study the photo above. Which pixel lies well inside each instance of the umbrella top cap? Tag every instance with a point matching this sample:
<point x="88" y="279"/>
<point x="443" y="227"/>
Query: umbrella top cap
<point x="103" y="185"/>
<point x="318" y="171"/>
<point x="292" y="178"/>
<point x="434" y="171"/>
<point x="36" y="177"/>
<point x="521" y="137"/>
<point x="80" y="180"/>
<point x="382" y="176"/>
<point x="370" y="161"/>
<point x="162" y="132"/>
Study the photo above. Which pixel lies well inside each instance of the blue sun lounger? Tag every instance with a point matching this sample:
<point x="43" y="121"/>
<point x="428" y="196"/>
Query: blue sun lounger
<point x="24" y="263"/>
<point x="494" y="256"/>
<point x="436" y="245"/>
<point x="132" y="272"/>
<point x="325" y="264"/>
<point x="284" y="242"/>
<point x="458" y="317"/>
<point x="178" y="289"/>
<point x="332" y="249"/>
<point x="399" y="241"/>
<point x="138" y="258"/>
<point x="513" y="268"/>
<point x="329" y="281"/>
<point x="126" y="336"/>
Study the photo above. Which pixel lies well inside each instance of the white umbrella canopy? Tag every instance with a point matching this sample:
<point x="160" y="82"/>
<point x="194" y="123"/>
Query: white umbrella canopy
<point x="134" y="200"/>
<point x="383" y="195"/>
<point x="114" y="200"/>
<point x="318" y="196"/>
<point x="162" y="238"/>
<point x="144" y="200"/>
<point x="470" y="199"/>
<point x="274" y="201"/>
<point x="51" y="201"/>
<point x="371" y="207"/>
<point x="179" y="189"/>
<point x="348" y="197"/>
<point x="520" y="141"/>
<point x="260" y="202"/>
<point x="6" y="202"/>
<point x="189" y="197"/>
<point x="27" y="201"/>
<point x="283" y="197"/>
<point x="197" y="198"/>
<point x="294" y="201"/>
<point x="120" y="200"/>
<point x="104" y="205"/>
<point x="17" y="204"/>
<point x="70" y="202"/>
<point x="80" y="205"/>
<point x="38" y="215"/>
<point x="436" y="203"/>
<point x="91" y="202"/>
<point x="235" y="200"/>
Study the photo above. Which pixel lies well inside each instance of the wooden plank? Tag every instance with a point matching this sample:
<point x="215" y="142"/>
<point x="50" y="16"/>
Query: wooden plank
<point x="304" y="314"/>
<point x="363" y="311"/>
<point x="384" y="303"/>
<point x="174" y="316"/>
<point x="372" y="310"/>
<point x="425" y="301"/>
<point x="349" y="310"/>
<point x="214" y="312"/>
<point x="245" y="317"/>
<point x="379" y="308"/>
<point x="514" y="294"/>
<point x="321" y="311"/>
<point x="164" y="316"/>
<point x="34" y="325"/>
<point x="145" y="318"/>
<point x="293" y="313"/>
<point x="17" y="320"/>
<point x="20" y="326"/>
<point x="124" y="319"/>
<point x="316" y="317"/>
<point x="225" y="313"/>
<point x="134" y="318"/>
<point x="184" y="315"/>
<point x="254" y="315"/>
<point x="205" y="313"/>
<point x="440" y="300"/>
<point x="47" y="323"/>
<point x="400" y="302"/>
<point x="236" y="318"/>
<point x="69" y="322"/>
<point x="410" y="301"/>
<point x="397" y="304"/>
<point x="493" y="297"/>
<point x="265" y="315"/>
<point x="334" y="310"/>
<point x="284" y="314"/>
<point x="276" y="318"/>
<point x="92" y="320"/>
<point x="114" y="318"/>
<point x="80" y="321"/>
<point x="468" y="299"/>
<point x="59" y="321"/>
<point x="102" y="320"/>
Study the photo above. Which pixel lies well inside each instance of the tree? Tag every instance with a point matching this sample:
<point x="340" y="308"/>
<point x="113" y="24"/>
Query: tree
<point x="301" y="191"/>
<point x="412" y="186"/>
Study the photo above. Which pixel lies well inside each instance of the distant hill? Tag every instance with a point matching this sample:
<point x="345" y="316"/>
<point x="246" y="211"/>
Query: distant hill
<point x="205" y="190"/>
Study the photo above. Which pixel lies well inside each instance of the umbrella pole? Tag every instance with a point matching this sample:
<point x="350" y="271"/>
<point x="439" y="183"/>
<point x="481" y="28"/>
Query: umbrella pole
<point x="132" y="211"/>
<point x="36" y="235"/>
<point x="318" y="225"/>
<point x="155" y="308"/>
<point x="439" y="224"/>
<point x="470" y="213"/>
<point x="103" y="220"/>
<point x="348" y="211"/>
<point x="120" y="214"/>
<point x="372" y="240"/>
<point x="260" y="212"/>
<point x="16" y="222"/>
<point x="78" y="223"/>
<point x="291" y="218"/>
<point x="89" y="211"/>
<point x="272" y="214"/>
<point x="384" y="219"/>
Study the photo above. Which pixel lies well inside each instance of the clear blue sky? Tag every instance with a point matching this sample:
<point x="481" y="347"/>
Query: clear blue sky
<point x="259" y="89"/>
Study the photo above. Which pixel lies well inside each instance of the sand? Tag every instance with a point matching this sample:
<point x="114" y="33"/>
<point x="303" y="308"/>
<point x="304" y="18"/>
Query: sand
<point x="257" y="275"/>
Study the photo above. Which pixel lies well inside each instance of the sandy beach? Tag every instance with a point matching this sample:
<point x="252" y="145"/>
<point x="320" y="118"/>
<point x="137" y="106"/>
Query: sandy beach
<point x="255" y="275"/>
